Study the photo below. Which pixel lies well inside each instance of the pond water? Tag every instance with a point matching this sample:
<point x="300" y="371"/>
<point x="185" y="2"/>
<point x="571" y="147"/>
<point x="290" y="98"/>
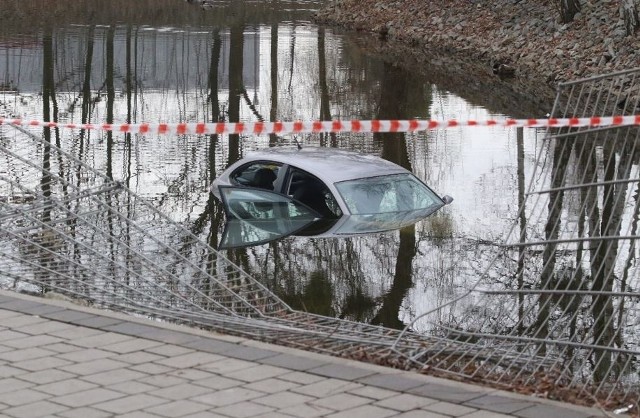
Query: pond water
<point x="562" y="295"/>
<point x="173" y="61"/>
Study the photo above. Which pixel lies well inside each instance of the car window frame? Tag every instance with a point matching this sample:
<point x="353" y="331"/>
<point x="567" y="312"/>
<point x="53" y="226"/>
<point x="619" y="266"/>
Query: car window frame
<point x="277" y="183"/>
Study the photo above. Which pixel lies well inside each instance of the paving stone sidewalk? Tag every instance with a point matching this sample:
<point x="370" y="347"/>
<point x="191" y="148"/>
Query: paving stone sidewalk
<point x="62" y="360"/>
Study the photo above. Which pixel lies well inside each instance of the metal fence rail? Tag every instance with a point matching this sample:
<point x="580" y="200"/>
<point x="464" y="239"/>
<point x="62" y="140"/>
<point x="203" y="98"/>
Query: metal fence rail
<point x="556" y="311"/>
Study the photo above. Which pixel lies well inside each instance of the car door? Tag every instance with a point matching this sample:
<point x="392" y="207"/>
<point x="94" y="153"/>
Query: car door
<point x="256" y="216"/>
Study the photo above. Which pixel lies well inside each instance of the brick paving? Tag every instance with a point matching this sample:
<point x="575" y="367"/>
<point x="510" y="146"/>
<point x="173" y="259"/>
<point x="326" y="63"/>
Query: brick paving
<point x="62" y="360"/>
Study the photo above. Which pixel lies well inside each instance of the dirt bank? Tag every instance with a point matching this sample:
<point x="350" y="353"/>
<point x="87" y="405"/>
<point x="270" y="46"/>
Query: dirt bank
<point x="472" y="37"/>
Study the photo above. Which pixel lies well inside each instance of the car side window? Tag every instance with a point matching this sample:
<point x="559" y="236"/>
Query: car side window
<point x="260" y="174"/>
<point x="308" y="189"/>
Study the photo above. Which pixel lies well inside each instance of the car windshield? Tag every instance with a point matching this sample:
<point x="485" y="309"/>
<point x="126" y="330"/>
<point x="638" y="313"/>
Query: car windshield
<point x="382" y="194"/>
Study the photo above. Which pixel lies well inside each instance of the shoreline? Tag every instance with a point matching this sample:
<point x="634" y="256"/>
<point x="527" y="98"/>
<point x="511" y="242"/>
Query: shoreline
<point x="469" y="38"/>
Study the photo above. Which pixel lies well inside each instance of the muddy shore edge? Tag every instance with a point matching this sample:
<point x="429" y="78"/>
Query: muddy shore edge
<point x="463" y="43"/>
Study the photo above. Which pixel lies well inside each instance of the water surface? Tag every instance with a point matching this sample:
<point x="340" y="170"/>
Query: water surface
<point x="171" y="61"/>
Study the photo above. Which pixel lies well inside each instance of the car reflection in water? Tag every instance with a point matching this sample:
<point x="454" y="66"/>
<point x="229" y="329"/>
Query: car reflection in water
<point x="320" y="192"/>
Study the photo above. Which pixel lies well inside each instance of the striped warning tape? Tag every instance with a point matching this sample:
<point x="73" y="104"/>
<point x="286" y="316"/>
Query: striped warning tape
<point x="329" y="126"/>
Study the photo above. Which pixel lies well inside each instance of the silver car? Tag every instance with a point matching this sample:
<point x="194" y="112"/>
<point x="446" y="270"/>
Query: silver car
<point x="284" y="189"/>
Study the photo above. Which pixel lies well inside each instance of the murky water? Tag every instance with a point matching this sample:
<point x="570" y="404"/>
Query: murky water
<point x="171" y="61"/>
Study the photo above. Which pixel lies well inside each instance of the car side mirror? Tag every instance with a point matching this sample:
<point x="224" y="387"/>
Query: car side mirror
<point x="447" y="199"/>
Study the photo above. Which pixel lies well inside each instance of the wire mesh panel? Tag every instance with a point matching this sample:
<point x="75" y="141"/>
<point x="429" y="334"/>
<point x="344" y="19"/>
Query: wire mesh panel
<point x="67" y="228"/>
<point x="558" y="310"/>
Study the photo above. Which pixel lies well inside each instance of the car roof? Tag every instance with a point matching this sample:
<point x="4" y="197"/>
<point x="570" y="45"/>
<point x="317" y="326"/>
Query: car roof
<point x="330" y="164"/>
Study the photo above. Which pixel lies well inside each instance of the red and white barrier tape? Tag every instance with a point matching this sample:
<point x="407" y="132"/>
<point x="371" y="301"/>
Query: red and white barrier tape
<point x="328" y="126"/>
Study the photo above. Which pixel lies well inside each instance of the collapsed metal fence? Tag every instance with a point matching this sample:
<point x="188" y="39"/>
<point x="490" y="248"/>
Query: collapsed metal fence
<point x="67" y="228"/>
<point x="556" y="311"/>
<point x="559" y="309"/>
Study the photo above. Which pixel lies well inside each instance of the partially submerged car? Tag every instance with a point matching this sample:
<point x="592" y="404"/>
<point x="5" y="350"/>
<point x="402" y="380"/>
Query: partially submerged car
<point x="281" y="191"/>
